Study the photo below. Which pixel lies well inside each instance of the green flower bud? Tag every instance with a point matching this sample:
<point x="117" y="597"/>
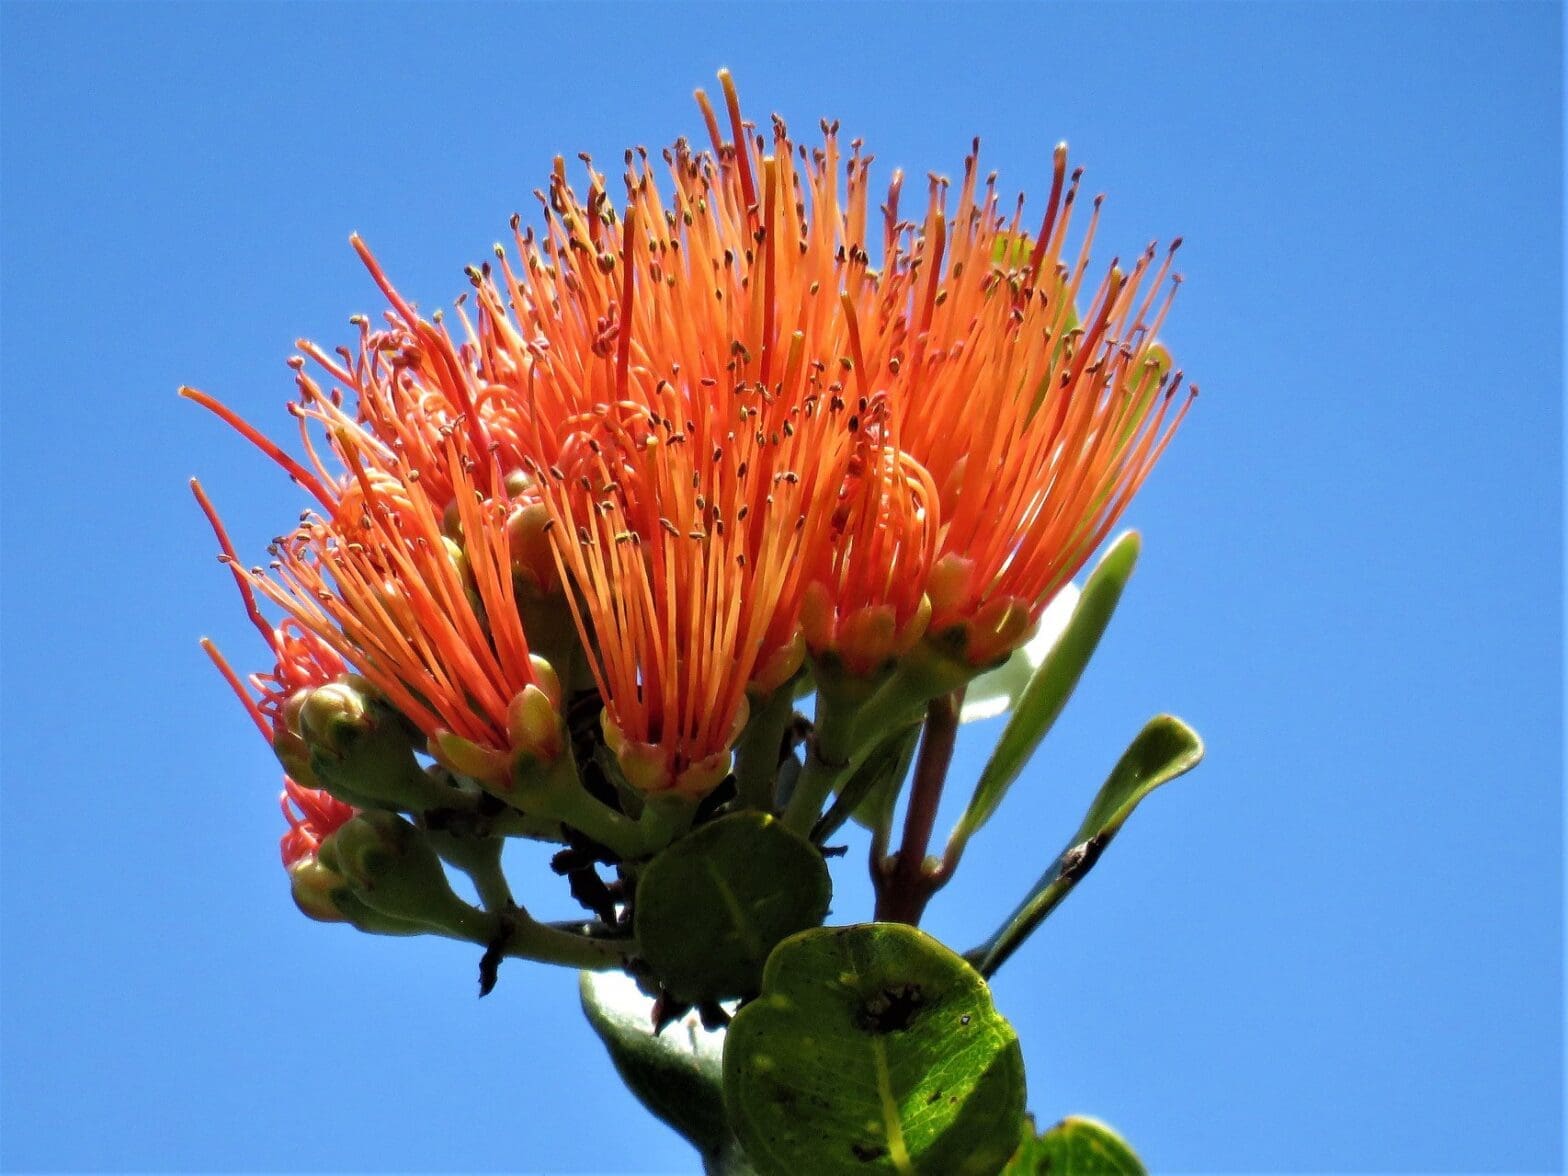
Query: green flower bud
<point x="294" y="754"/>
<point x="390" y="867"/>
<point x="334" y="716"/>
<point x="534" y="723"/>
<point x="313" y="886"/>
<point x="324" y="895"/>
<point x="360" y="752"/>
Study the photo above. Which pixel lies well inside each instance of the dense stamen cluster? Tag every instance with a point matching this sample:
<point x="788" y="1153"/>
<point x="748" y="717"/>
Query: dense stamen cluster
<point x="721" y="425"/>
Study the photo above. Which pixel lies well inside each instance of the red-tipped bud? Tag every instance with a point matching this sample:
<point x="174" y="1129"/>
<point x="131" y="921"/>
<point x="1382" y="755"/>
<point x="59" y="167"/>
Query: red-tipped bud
<point x="816" y="616"/>
<point x="698" y="779"/>
<point x="999" y="627"/>
<point x="643" y="764"/>
<point x="865" y="639"/>
<point x="951" y="583"/>
<point x="868" y="641"/>
<point x="652" y="770"/>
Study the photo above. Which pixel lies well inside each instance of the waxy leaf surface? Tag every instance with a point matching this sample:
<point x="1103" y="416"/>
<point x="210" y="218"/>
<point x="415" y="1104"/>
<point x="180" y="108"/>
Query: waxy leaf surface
<point x="714" y="904"/>
<point x="1077" y="1146"/>
<point x="675" y="1073"/>
<point x="1164" y="749"/>
<point x="1052" y="684"/>
<point x="873" y="1050"/>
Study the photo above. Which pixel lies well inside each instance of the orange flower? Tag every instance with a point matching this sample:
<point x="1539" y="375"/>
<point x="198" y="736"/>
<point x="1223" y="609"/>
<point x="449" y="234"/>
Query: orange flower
<point x="713" y="419"/>
<point x="301" y="663"/>
<point x="866" y="602"/>
<point x="378" y="579"/>
<point x="684" y="557"/>
<point x="1037" y="426"/>
<point x="301" y="660"/>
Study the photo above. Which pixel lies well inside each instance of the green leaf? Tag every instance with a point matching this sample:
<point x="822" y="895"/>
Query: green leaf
<point x="998" y="690"/>
<point x="1164" y="749"/>
<point x="712" y="906"/>
<point x="1077" y="1146"/>
<point x="870" y="794"/>
<point x="1050" y="688"/>
<point x="872" y="1050"/>
<point x="676" y="1074"/>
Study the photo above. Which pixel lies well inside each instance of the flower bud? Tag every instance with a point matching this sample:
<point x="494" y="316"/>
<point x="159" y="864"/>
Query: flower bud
<point x="700" y="778"/>
<point x="468" y="758"/>
<point x="547" y="679"/>
<point x="313" y="886"/>
<point x="1000" y="626"/>
<point x="652" y="769"/>
<point x="334" y="716"/>
<point x="292" y="706"/>
<point x="528" y="540"/>
<point x="359" y="751"/>
<point x="534" y="723"/>
<point x="644" y="765"/>
<point x="951" y="582"/>
<point x="866" y="638"/>
<point x="294" y="754"/>
<point x="816" y="616"/>
<point x="389" y="865"/>
<point x="864" y="643"/>
<point x="780" y="666"/>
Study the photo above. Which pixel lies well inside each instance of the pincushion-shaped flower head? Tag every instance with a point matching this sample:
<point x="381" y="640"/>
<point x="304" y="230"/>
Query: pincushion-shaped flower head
<point x="1037" y="424"/>
<point x="377" y="577"/>
<point x="866" y="604"/>
<point x="715" y="425"/>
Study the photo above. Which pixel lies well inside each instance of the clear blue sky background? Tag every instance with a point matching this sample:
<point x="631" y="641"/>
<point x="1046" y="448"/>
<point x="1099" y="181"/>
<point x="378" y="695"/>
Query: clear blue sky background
<point x="1336" y="947"/>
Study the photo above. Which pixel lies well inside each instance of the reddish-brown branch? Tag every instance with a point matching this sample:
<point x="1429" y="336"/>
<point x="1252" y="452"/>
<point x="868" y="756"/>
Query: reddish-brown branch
<point x="907" y="884"/>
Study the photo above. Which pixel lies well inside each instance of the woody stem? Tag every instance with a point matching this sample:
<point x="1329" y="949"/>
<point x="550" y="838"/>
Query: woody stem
<point x="908" y="883"/>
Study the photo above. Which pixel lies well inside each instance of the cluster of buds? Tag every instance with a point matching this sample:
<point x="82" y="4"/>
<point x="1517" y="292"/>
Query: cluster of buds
<point x="681" y="458"/>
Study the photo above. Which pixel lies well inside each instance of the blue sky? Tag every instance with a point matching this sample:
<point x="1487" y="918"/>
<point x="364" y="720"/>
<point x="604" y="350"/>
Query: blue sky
<point x="1335" y="947"/>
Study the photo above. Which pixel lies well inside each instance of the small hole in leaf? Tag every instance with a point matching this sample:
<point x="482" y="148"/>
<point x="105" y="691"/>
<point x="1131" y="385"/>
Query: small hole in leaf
<point x="891" y="1010"/>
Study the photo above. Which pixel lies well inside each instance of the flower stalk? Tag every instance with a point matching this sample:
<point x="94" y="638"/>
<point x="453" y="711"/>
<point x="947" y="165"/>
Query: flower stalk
<point x="758" y="752"/>
<point x="906" y="881"/>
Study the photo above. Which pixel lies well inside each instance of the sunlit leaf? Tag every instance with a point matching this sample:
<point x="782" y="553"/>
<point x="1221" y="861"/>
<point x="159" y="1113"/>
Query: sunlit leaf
<point x="676" y="1073"/>
<point x="997" y="691"/>
<point x="1051" y="685"/>
<point x="873" y="1050"/>
<point x="1164" y="749"/>
<point x="1077" y="1146"/>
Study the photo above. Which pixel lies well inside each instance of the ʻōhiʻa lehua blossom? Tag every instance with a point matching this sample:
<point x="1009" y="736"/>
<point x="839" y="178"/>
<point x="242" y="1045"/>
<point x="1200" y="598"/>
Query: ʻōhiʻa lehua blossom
<point x="703" y="440"/>
<point x="688" y="385"/>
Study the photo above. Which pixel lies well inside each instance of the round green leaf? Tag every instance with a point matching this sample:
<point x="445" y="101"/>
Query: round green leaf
<point x="713" y="905"/>
<point x="873" y="1049"/>
<point x="1077" y="1146"/>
